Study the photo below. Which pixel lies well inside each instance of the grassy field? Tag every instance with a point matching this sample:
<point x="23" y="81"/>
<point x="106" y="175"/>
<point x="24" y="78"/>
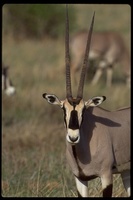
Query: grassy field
<point x="33" y="134"/>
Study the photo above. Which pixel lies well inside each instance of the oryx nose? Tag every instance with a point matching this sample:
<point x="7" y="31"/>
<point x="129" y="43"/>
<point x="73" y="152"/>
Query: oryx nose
<point x="73" y="139"/>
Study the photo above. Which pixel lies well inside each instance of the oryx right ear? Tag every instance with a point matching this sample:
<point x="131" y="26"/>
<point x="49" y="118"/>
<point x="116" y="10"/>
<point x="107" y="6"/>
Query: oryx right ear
<point x="52" y="99"/>
<point x="95" y="101"/>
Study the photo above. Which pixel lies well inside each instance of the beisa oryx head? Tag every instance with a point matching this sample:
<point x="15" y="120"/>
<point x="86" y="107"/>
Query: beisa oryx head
<point x="74" y="107"/>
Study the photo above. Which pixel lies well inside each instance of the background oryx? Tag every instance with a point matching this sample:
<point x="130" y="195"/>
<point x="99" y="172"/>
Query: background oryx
<point x="107" y="49"/>
<point x="97" y="140"/>
<point x="7" y="85"/>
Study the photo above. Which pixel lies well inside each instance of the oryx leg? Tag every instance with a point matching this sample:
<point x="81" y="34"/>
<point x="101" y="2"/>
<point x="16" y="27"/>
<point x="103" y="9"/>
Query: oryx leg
<point x="97" y="76"/>
<point x="109" y="76"/>
<point x="126" y="181"/>
<point x="102" y="65"/>
<point x="107" y="184"/>
<point x="82" y="187"/>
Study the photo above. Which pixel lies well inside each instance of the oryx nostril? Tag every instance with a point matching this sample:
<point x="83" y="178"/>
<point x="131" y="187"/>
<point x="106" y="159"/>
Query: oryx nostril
<point x="73" y="139"/>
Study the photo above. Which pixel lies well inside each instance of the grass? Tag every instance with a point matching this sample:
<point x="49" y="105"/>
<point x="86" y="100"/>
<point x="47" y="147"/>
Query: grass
<point x="33" y="135"/>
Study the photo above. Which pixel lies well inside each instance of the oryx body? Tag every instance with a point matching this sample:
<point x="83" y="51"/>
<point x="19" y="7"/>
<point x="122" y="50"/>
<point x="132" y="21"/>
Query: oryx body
<point x="97" y="140"/>
<point x="108" y="48"/>
<point x="7" y="85"/>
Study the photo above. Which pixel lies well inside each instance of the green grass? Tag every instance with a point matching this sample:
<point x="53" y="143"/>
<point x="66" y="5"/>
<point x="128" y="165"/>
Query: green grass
<point x="33" y="135"/>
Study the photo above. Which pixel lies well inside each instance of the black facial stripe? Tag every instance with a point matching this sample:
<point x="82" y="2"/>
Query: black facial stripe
<point x="83" y="114"/>
<point x="73" y="123"/>
<point x="64" y="115"/>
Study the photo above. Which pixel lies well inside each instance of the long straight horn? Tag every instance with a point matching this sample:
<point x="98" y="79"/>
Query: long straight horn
<point x="67" y="58"/>
<point x="84" y="68"/>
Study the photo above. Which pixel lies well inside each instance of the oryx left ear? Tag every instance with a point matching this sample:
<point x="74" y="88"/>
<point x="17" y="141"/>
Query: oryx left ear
<point x="94" y="101"/>
<point x="52" y="99"/>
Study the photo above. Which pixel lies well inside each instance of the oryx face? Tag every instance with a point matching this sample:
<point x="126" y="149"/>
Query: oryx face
<point x="73" y="113"/>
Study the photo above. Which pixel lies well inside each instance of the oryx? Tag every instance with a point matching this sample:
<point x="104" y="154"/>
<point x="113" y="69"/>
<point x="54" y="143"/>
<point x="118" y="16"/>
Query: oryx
<point x="97" y="140"/>
<point x="7" y="85"/>
<point x="108" y="49"/>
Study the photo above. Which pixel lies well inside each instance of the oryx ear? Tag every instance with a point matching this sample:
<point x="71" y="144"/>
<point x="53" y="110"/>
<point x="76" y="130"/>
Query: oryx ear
<point x="94" y="101"/>
<point x="52" y="99"/>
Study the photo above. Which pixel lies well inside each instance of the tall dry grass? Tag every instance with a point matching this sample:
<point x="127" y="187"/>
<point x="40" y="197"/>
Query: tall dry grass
<point x="33" y="135"/>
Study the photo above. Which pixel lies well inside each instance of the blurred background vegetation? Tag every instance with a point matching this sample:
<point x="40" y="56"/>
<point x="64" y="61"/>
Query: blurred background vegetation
<point x="33" y="134"/>
<point x="40" y="20"/>
<point x="34" y="20"/>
